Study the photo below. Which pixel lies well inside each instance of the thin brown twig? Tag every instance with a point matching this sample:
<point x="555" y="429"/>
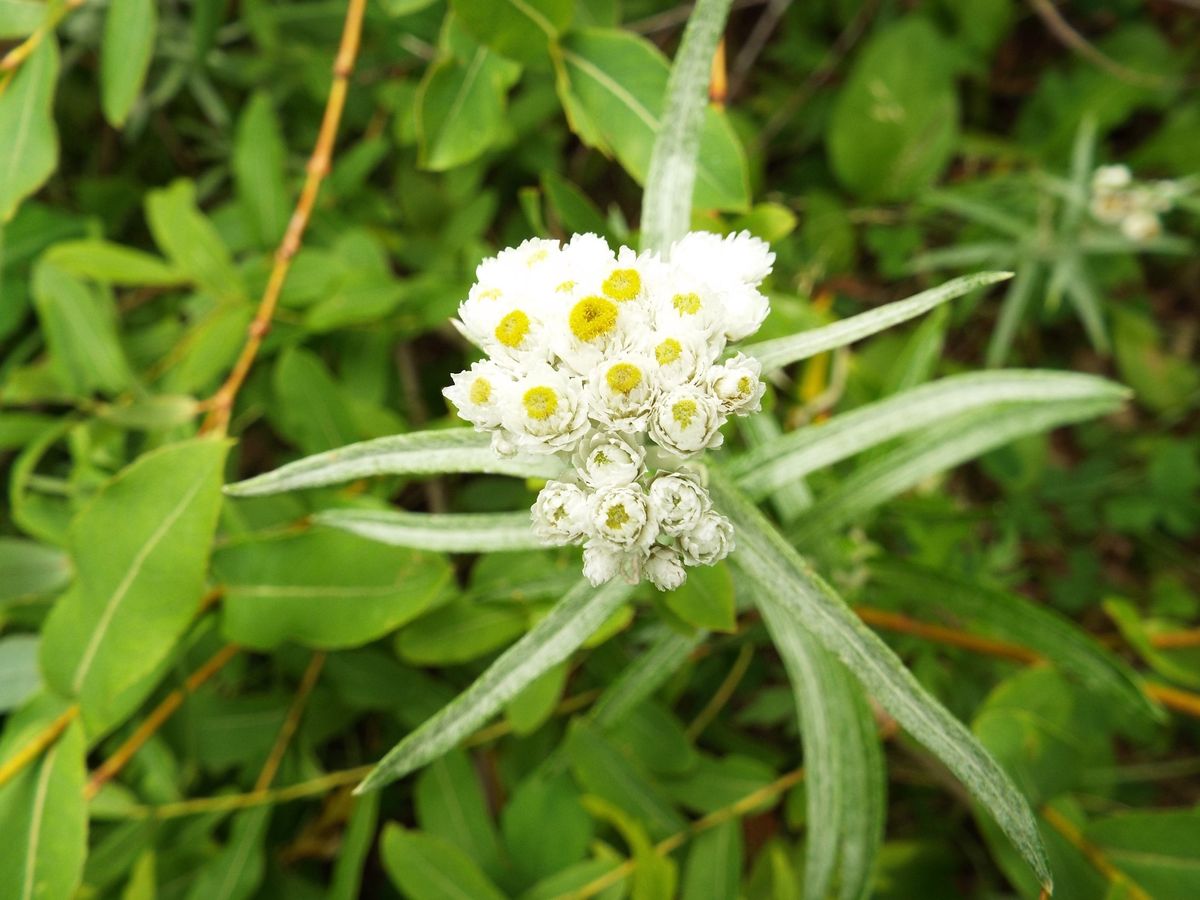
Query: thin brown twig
<point x="288" y="730"/>
<point x="41" y="742"/>
<point x="221" y="403"/>
<point x="108" y="769"/>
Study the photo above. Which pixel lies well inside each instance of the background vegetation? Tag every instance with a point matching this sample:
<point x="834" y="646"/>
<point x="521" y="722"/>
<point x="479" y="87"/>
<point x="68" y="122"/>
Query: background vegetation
<point x="216" y="719"/>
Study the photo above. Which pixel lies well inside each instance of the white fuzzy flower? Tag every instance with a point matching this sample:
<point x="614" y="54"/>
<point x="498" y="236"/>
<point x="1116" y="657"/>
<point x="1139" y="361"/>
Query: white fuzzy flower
<point x="478" y="394"/>
<point x="594" y="328"/>
<point x="545" y="411"/>
<point x="1111" y="178"/>
<point x="685" y="420"/>
<point x="560" y="513"/>
<point x="1141" y="225"/>
<point x="684" y="304"/>
<point x="607" y="460"/>
<point x="678" y="502"/>
<point x="621" y="392"/>
<point x="664" y="568"/>
<point x="514" y="264"/>
<point x="737" y="385"/>
<point x="709" y="542"/>
<point x="601" y="563"/>
<point x="620" y="518"/>
<point x="676" y="356"/>
<point x="505" y="324"/>
<point x="734" y="266"/>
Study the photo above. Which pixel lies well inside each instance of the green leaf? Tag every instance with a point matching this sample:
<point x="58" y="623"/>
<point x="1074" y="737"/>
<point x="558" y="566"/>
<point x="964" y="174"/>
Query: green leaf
<point x="237" y="871"/>
<point x="714" y="864"/>
<point x="259" y="167"/>
<point x="81" y="330"/>
<point x="535" y="704"/>
<point x="448" y="532"/>
<point x="571" y="622"/>
<point x="450" y="805"/>
<point x="895" y="123"/>
<point x="129" y="29"/>
<point x="521" y="29"/>
<point x="1012" y="311"/>
<point x="42" y="813"/>
<point x="111" y="263"/>
<point x="29" y="151"/>
<point x="418" y="453"/>
<point x="788" y="582"/>
<point x="460" y="632"/>
<point x="19" y="18"/>
<point x="20" y="677"/>
<point x="312" y="410"/>
<point x="671" y="177"/>
<point x="539" y="807"/>
<point x="460" y="108"/>
<point x="322" y="589"/>
<point x="29" y="570"/>
<point x="705" y="599"/>
<point x="612" y="84"/>
<point x="772" y="466"/>
<point x="1156" y="849"/>
<point x="654" y="876"/>
<point x="1129" y="622"/>
<point x="140" y="549"/>
<point x="643" y="676"/>
<point x="191" y="240"/>
<point x="575" y="213"/>
<point x="427" y="868"/>
<point x="346" y="883"/>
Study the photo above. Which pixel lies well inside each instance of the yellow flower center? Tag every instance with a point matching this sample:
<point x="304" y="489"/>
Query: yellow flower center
<point x="601" y="458"/>
<point x="481" y="391"/>
<point x="617" y="516"/>
<point x="623" y="284"/>
<point x="540" y="403"/>
<point x="593" y="317"/>
<point x="687" y="304"/>
<point x="512" y="329"/>
<point x="683" y="412"/>
<point x="668" y="351"/>
<point x="744" y="384"/>
<point x="623" y="377"/>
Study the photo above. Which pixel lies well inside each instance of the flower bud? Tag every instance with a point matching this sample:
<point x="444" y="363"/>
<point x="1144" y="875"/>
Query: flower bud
<point x="709" y="542"/>
<point x="560" y="513"/>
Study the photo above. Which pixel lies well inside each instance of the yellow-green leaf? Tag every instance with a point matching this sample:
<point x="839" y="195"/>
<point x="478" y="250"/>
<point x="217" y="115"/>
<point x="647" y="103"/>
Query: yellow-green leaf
<point x="129" y="31"/>
<point x="29" y="148"/>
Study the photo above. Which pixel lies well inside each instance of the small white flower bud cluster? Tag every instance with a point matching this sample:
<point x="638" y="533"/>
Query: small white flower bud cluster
<point x="591" y="354"/>
<point x="1134" y="207"/>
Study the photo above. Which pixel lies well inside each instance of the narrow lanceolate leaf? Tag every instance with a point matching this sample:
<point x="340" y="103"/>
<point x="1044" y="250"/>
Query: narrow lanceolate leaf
<point x="950" y="443"/>
<point x="572" y="621"/>
<point x="29" y="148"/>
<point x="779" y="352"/>
<point x="787" y="581"/>
<point x="649" y="670"/>
<point x="667" y="201"/>
<point x="843" y="764"/>
<point x="775" y="465"/>
<point x="129" y="30"/>
<point x="449" y="532"/>
<point x="140" y="550"/>
<point x="419" y="453"/>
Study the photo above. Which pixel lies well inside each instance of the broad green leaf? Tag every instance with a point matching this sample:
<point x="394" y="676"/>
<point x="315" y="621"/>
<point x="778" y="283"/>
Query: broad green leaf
<point x="787" y="581"/>
<point x="450" y="805"/>
<point x="237" y="871"/>
<point x="612" y="84"/>
<point x="571" y="622"/>
<point x="152" y="413"/>
<point x="111" y="263"/>
<point x="671" y="176"/>
<point x="449" y="532"/>
<point x="20" y="677"/>
<point x="322" y="589"/>
<point x="1157" y="849"/>
<point x="940" y="448"/>
<point x="259" y="168"/>
<point x="542" y="806"/>
<point x="714" y="864"/>
<point x="772" y="466"/>
<point x="425" y="867"/>
<point x="535" y="704"/>
<point x="716" y="782"/>
<point x="460" y="107"/>
<point x="81" y="330"/>
<point x="521" y="29"/>
<point x="311" y="408"/>
<point x="460" y="632"/>
<point x="29" y="570"/>
<point x="779" y="352"/>
<point x="843" y="763"/>
<point x="705" y="599"/>
<point x="140" y="549"/>
<point x="29" y="151"/>
<point x="19" y="18"/>
<point x="895" y="122"/>
<point x="654" y="876"/>
<point x="418" y="453"/>
<point x="43" y="816"/>
<point x="129" y="29"/>
<point x="191" y="241"/>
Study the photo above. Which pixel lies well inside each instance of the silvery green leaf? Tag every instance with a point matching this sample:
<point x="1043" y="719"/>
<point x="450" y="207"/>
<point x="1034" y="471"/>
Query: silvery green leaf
<point x="419" y="453"/>
<point x="448" y="532"/>
<point x="779" y="352"/>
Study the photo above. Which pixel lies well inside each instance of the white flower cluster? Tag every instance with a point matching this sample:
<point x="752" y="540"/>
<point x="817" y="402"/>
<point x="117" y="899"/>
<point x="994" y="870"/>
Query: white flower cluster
<point x="1134" y="207"/>
<point x="590" y="354"/>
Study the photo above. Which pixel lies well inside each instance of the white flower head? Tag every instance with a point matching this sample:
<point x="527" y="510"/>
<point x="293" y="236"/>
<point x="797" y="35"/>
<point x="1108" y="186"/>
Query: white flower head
<point x="676" y="355"/>
<point x="621" y="518"/>
<point x="601" y="563"/>
<point x="685" y="420"/>
<point x="608" y="460"/>
<point x="678" y="502"/>
<point x="737" y="385"/>
<point x="1141" y="225"/>
<point x="506" y="323"/>
<point x="685" y="304"/>
<point x="664" y="568"/>
<point x="546" y="411"/>
<point x="1111" y="178"/>
<point x="734" y="266"/>
<point x="621" y="392"/>
<point x="560" y="513"/>
<point x="593" y="328"/>
<point x="479" y="394"/>
<point x="709" y="542"/>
